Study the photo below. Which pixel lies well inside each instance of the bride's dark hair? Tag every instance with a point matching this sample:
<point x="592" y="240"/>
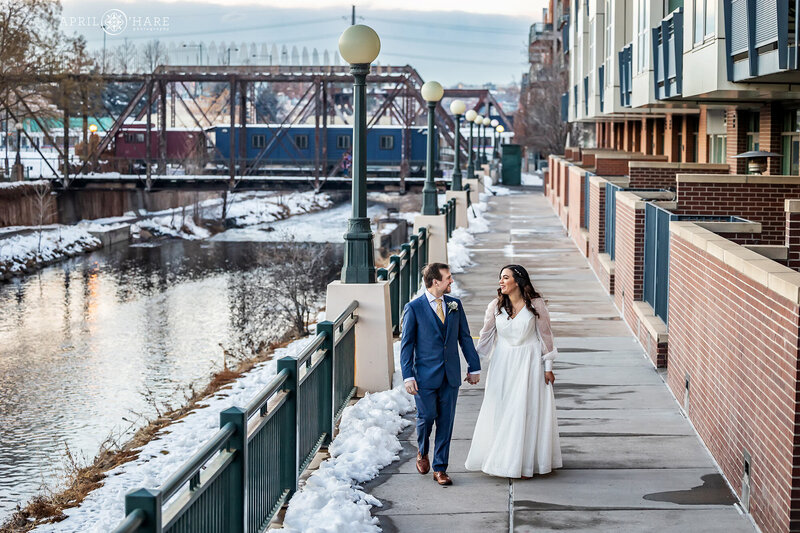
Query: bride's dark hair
<point x="525" y="286"/>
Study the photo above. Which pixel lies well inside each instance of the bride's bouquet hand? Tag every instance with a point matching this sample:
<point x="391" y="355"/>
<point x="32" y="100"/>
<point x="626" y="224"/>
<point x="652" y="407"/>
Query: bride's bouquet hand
<point x="549" y="378"/>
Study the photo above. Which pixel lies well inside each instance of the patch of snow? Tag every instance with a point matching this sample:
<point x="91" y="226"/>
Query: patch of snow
<point x="19" y="252"/>
<point x="104" y="508"/>
<point x="534" y="179"/>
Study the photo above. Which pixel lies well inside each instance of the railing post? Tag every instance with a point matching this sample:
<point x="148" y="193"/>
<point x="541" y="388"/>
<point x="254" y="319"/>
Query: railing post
<point x="148" y="501"/>
<point x="288" y="453"/>
<point x="423" y="260"/>
<point x="394" y="294"/>
<point x="443" y="211"/>
<point x="404" y="276"/>
<point x="329" y="345"/>
<point x="413" y="284"/>
<point x="238" y="443"/>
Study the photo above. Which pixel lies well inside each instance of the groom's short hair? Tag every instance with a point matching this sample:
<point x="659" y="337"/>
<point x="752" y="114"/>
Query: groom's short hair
<point x="433" y="271"/>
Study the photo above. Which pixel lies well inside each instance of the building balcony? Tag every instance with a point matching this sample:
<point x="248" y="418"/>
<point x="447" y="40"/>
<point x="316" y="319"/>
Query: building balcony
<point x="626" y="75"/>
<point x="565" y="107"/>
<point x="540" y="31"/>
<point x="762" y="39"/>
<point x="565" y="36"/>
<point x="668" y="56"/>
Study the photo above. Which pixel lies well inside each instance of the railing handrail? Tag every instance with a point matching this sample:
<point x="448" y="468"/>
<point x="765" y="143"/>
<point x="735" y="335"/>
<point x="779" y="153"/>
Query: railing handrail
<point x="191" y="467"/>
<point x="132" y="522"/>
<point x="263" y="397"/>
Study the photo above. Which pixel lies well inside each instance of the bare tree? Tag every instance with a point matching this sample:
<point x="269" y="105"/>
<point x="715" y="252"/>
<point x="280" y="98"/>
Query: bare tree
<point x="154" y="54"/>
<point x="537" y="123"/>
<point x="125" y="57"/>
<point x="43" y="205"/>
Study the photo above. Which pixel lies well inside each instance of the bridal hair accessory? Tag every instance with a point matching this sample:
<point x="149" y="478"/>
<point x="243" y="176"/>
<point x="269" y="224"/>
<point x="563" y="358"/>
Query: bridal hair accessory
<point x="453" y="306"/>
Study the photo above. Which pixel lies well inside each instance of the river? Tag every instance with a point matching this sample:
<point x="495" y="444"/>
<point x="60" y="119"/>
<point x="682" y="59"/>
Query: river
<point x="88" y="345"/>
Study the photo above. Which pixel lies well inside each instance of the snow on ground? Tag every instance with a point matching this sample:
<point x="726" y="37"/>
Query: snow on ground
<point x="533" y="179"/>
<point x="331" y="500"/>
<point x="104" y="507"/>
<point x="458" y="251"/>
<point x="19" y="184"/>
<point x="20" y="252"/>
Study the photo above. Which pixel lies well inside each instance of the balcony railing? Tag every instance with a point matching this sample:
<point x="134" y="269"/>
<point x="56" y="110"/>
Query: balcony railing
<point x="540" y="30"/>
<point x="565" y="107"/>
<point x="626" y="75"/>
<point x="668" y="56"/>
<point x="565" y="36"/>
<point x="763" y="37"/>
<point x="586" y="95"/>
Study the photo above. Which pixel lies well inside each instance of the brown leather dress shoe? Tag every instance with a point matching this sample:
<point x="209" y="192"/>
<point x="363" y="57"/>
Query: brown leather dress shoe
<point x="423" y="465"/>
<point x="442" y="478"/>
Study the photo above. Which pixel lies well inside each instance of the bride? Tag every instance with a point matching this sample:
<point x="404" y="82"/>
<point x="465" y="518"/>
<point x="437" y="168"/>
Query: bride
<point x="516" y="434"/>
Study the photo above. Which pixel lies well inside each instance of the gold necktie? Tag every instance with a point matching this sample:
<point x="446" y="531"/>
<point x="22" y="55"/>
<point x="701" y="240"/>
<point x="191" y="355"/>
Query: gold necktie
<point x="439" y="310"/>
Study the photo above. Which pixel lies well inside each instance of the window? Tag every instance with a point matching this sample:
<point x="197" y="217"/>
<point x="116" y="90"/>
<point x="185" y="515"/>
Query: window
<point x="790" y="145"/>
<point x="608" y="42"/>
<point x="753" y="129"/>
<point x="705" y="16"/>
<point x="301" y="142"/>
<point x="134" y="138"/>
<point x="643" y="29"/>
<point x="343" y="142"/>
<point x="717" y="148"/>
<point x="259" y="141"/>
<point x="592" y="58"/>
<point x="387" y="142"/>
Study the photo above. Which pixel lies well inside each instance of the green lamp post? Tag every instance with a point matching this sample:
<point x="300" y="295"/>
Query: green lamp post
<point x="470" y="117"/>
<point x="432" y="92"/>
<point x="494" y="125"/>
<point x="486" y="122"/>
<point x="457" y="107"/>
<point x="359" y="45"/>
<point x="478" y="127"/>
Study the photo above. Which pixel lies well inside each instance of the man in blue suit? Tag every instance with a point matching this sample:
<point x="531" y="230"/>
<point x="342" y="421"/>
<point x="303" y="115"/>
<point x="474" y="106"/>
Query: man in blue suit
<point x="434" y="325"/>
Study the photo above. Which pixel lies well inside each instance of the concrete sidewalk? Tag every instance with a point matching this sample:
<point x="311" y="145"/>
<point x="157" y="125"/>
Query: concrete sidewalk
<point x="631" y="460"/>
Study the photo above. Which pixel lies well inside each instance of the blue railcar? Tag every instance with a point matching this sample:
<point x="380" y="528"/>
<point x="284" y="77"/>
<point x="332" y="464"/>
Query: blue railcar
<point x="270" y="145"/>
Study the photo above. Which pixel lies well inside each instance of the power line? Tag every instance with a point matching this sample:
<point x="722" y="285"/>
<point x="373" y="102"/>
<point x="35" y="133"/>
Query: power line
<point x="460" y="27"/>
<point x="491" y="46"/>
<point x="466" y="60"/>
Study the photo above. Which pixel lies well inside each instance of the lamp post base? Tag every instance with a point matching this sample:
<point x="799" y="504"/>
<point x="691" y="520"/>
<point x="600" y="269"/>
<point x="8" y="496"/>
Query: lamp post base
<point x="359" y="258"/>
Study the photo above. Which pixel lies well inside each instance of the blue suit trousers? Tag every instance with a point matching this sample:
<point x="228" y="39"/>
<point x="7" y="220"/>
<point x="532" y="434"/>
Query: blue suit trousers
<point x="436" y="407"/>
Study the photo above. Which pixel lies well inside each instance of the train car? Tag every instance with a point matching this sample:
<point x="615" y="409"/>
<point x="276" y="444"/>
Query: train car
<point x="183" y="144"/>
<point x="294" y="146"/>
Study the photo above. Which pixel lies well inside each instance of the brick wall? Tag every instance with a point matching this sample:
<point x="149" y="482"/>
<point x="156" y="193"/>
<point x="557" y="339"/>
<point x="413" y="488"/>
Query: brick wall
<point x="702" y="136"/>
<point x="617" y="164"/>
<point x="661" y="175"/>
<point x="577" y="177"/>
<point x="629" y="258"/>
<point x="738" y="342"/>
<point x="770" y="128"/>
<point x="756" y="198"/>
<point x="597" y="235"/>
<point x="792" y="239"/>
<point x="736" y="131"/>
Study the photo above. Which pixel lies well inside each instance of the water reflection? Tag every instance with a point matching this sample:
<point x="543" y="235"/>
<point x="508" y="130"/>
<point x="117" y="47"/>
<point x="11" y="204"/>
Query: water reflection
<point x="83" y="343"/>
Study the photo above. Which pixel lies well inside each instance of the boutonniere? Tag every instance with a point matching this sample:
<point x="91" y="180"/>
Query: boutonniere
<point x="453" y="306"/>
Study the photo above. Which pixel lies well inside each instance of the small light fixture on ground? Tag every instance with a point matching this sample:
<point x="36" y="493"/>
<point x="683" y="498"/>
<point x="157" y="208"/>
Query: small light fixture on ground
<point x="756" y="160"/>
<point x="432" y="92"/>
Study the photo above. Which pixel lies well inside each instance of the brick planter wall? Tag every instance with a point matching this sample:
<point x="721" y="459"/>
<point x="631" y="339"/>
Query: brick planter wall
<point x="756" y="198"/>
<point x="629" y="257"/>
<point x="792" y="239"/>
<point x="737" y="339"/>
<point x="661" y="175"/>
<point x="576" y="177"/>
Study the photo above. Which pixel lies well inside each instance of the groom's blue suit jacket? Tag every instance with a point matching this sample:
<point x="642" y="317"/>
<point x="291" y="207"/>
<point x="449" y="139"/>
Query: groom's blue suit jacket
<point x="429" y="349"/>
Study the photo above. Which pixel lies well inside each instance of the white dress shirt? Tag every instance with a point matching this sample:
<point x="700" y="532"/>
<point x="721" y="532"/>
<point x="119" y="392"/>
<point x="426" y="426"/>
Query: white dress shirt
<point x="433" y="304"/>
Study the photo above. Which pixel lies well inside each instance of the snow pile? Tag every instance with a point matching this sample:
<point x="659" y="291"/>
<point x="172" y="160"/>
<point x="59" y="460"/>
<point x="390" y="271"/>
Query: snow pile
<point x="182" y="226"/>
<point x="331" y="501"/>
<point x="104" y="507"/>
<point x="7" y="186"/>
<point x="534" y="179"/>
<point x="458" y="254"/>
<point x="21" y="253"/>
<point x="258" y="210"/>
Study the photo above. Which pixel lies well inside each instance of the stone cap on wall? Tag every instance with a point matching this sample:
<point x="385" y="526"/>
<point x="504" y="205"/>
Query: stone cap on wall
<point x="600" y="181"/>
<point x="768" y="273"/>
<point x="632" y="155"/>
<point x="638" y="199"/>
<point x="679" y="166"/>
<point x="738" y="178"/>
<point x="792" y="206"/>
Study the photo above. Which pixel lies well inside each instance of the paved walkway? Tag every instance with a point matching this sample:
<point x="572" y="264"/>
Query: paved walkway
<point x="631" y="460"/>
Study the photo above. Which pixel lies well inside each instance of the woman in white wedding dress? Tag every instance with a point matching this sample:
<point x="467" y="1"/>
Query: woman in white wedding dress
<point x="516" y="434"/>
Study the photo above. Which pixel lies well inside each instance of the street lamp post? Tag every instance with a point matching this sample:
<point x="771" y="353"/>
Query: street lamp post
<point x="500" y="129"/>
<point x="478" y="131"/>
<point x="432" y="92"/>
<point x="486" y="122"/>
<point x="470" y="117"/>
<point x="494" y="125"/>
<point x="359" y="45"/>
<point x="18" y="161"/>
<point x="457" y="107"/>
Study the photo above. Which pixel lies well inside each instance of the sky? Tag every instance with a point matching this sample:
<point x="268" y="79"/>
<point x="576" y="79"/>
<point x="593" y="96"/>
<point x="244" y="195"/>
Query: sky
<point x="470" y="41"/>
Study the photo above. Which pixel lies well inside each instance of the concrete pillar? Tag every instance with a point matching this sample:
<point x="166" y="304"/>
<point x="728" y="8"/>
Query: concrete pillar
<point x="769" y="137"/>
<point x="436" y="226"/>
<point x="672" y="138"/>
<point x="374" y="352"/>
<point x="702" y="136"/>
<point x="462" y="218"/>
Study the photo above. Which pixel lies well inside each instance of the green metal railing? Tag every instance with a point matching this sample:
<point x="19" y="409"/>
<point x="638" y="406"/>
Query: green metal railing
<point x="449" y="210"/>
<point x="404" y="274"/>
<point x="249" y="468"/>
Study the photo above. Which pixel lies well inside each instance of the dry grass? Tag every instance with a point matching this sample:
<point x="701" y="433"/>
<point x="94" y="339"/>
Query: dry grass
<point x="81" y="479"/>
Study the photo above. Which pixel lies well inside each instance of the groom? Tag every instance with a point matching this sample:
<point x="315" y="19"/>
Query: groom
<point x="434" y="325"/>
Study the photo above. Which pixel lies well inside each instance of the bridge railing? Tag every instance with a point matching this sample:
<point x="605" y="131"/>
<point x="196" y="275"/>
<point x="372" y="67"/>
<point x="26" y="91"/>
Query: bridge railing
<point x="249" y="468"/>
<point x="404" y="274"/>
<point x="449" y="210"/>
